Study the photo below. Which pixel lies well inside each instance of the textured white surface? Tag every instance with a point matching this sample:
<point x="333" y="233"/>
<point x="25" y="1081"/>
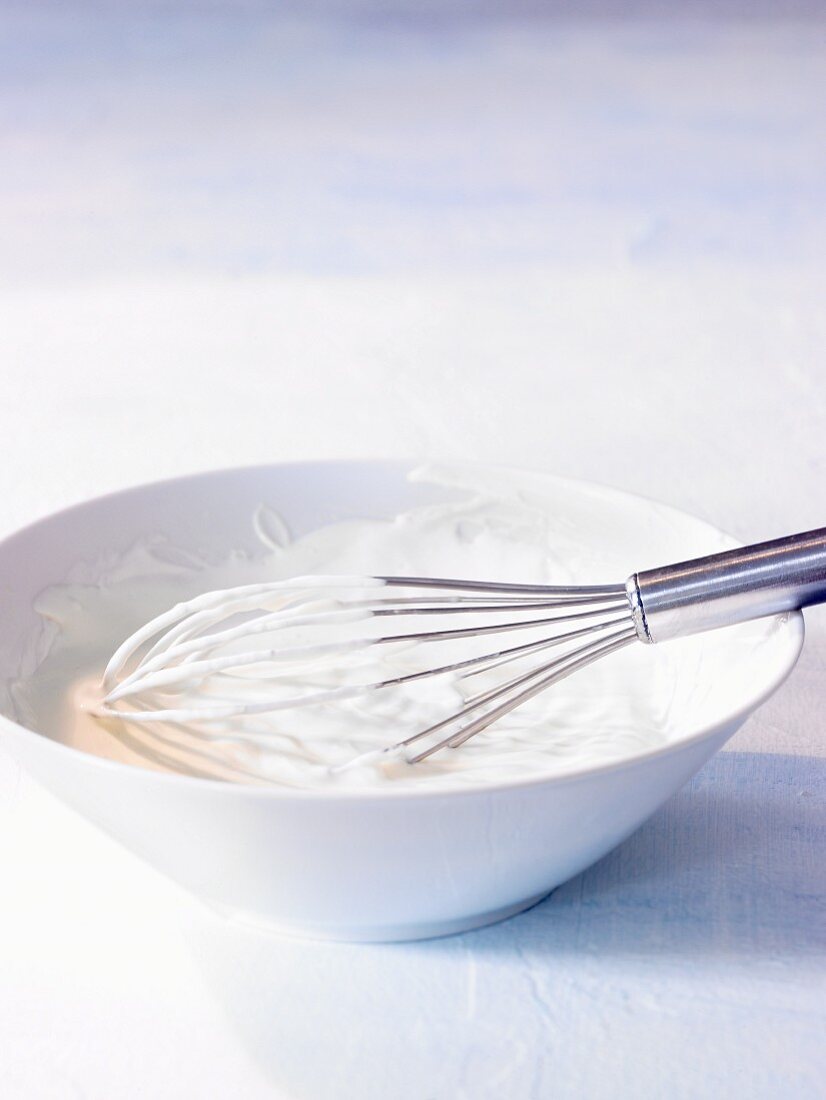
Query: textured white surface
<point x="593" y="247"/>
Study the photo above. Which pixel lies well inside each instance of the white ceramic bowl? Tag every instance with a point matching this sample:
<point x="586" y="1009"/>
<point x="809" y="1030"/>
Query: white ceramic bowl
<point x="375" y="865"/>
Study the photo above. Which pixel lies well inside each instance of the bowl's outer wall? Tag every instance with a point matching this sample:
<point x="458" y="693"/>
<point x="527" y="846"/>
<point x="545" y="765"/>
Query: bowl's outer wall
<point x="366" y="869"/>
<point x="338" y="867"/>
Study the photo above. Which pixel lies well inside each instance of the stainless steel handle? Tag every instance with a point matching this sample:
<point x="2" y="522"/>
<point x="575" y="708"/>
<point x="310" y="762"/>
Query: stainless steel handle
<point x="731" y="587"/>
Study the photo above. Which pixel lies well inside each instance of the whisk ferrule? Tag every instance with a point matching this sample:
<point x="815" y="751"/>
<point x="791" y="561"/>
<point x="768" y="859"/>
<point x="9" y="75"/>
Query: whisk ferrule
<point x="734" y="586"/>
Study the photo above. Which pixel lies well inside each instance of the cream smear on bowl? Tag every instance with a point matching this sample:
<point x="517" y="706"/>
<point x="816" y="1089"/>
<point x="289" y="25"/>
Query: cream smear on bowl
<point x="499" y="529"/>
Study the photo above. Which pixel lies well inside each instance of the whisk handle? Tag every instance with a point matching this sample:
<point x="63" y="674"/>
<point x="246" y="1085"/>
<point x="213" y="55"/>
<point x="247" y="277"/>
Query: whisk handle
<point x="731" y="587"/>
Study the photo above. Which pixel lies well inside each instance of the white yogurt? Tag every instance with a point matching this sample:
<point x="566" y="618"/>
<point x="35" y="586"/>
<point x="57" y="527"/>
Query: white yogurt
<point x="497" y="531"/>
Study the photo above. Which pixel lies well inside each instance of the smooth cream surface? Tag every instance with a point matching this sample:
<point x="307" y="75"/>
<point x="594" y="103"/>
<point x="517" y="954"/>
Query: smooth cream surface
<point x="495" y="528"/>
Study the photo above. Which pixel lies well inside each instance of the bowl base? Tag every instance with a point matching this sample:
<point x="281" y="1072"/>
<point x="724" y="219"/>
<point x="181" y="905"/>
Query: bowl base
<point x="381" y="933"/>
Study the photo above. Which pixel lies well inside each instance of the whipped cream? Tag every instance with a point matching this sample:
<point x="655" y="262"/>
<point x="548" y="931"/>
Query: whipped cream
<point x="499" y="527"/>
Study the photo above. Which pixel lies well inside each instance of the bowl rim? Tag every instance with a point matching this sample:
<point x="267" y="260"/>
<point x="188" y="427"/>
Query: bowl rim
<point x="794" y="643"/>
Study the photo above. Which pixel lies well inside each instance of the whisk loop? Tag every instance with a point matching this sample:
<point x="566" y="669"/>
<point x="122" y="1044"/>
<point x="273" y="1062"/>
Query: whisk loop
<point x="193" y="663"/>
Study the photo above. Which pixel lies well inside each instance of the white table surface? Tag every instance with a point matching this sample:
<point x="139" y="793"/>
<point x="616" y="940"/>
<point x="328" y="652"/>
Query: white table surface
<point x="592" y="246"/>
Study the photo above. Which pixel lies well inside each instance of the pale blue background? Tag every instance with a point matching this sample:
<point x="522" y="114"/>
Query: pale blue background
<point x="588" y="239"/>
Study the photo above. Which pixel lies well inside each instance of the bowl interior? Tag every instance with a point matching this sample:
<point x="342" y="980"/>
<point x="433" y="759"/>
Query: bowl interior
<point x="210" y="515"/>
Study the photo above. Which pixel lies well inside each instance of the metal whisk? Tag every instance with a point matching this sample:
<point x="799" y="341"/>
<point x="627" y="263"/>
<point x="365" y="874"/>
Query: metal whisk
<point x="188" y="664"/>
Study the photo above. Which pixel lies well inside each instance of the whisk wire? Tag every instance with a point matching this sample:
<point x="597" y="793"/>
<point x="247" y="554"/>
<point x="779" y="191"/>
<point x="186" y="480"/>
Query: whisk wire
<point x="552" y="672"/>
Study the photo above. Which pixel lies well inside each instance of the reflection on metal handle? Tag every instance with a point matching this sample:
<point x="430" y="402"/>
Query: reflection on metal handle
<point x="731" y="587"/>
